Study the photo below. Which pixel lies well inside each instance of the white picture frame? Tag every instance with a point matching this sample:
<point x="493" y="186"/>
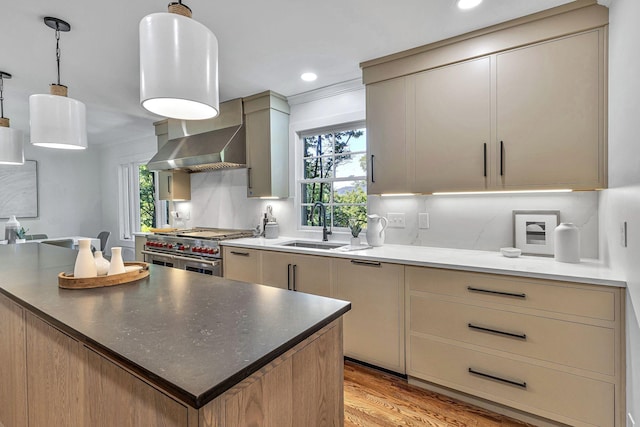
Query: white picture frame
<point x="533" y="231"/>
<point x="19" y="190"/>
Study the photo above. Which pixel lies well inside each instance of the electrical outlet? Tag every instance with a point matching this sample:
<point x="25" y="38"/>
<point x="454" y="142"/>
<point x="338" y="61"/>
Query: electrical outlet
<point x="396" y="220"/>
<point x="423" y="220"/>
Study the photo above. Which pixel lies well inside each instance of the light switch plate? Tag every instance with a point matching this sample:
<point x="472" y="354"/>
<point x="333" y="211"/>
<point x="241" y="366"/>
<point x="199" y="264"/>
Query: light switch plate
<point x="396" y="220"/>
<point x="423" y="220"/>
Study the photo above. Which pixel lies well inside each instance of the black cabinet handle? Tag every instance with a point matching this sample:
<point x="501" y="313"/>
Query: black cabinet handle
<point x="501" y="293"/>
<point x="521" y="384"/>
<point x="485" y="158"/>
<point x="294" y="276"/>
<point x="372" y="160"/>
<point x="289" y="276"/>
<point x="501" y="158"/>
<point x="497" y="331"/>
<point x="169" y="184"/>
<point x="240" y="253"/>
<point x="249" y="177"/>
<point x="367" y="263"/>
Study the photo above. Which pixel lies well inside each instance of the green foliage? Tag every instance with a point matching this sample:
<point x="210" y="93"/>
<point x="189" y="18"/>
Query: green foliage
<point x="147" y="199"/>
<point x="22" y="232"/>
<point x="355" y="226"/>
<point x="355" y="202"/>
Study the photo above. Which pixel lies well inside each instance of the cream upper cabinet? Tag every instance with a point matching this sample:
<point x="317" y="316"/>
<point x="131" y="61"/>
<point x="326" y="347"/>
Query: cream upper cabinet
<point x="386" y="133"/>
<point x="174" y="185"/>
<point x="374" y="328"/>
<point x="550" y="114"/>
<point x="453" y="127"/>
<point x="301" y="273"/>
<point x="267" y="127"/>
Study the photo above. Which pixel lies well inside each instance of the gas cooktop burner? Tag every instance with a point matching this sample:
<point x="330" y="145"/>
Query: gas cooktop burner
<point x="195" y="242"/>
<point x="209" y="233"/>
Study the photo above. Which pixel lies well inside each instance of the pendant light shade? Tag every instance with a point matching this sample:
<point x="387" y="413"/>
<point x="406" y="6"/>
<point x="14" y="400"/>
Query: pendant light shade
<point x="11" y="141"/>
<point x="178" y="66"/>
<point x="57" y="121"/>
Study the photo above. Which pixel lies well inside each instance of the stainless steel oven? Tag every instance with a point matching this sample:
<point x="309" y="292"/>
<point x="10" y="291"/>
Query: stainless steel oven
<point x="193" y="250"/>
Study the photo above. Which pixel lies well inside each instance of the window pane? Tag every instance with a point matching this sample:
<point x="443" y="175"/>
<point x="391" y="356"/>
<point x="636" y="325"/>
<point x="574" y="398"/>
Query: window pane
<point x="341" y="215"/>
<point x="350" y="192"/>
<point x="313" y="220"/>
<point x="312" y="193"/>
<point x="317" y="145"/>
<point x="351" y="165"/>
<point x="319" y="167"/>
<point x="147" y="198"/>
<point x="351" y="140"/>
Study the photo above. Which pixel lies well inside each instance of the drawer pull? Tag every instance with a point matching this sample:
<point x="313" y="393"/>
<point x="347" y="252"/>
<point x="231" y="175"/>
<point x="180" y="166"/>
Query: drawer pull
<point x="496" y="331"/>
<point x="489" y="291"/>
<point x="240" y="253"/>
<point x="521" y="384"/>
<point x="367" y="263"/>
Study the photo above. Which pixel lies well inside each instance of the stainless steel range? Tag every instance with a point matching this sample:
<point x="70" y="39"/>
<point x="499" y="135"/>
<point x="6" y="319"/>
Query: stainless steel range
<point x="195" y="249"/>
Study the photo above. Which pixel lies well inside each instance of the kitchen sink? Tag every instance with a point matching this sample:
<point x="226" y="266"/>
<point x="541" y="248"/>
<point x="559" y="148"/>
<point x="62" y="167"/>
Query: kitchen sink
<point x="313" y="245"/>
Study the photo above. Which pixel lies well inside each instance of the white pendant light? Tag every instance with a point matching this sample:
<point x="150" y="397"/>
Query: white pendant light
<point x="178" y="65"/>
<point x="56" y="120"/>
<point x="11" y="142"/>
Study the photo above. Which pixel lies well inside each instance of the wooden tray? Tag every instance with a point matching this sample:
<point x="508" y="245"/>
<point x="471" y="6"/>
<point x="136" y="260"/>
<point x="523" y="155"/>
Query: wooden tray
<point x="67" y="281"/>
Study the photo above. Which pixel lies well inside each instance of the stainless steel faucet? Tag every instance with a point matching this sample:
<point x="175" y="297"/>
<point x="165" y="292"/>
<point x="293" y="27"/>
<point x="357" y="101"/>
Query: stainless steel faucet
<point x="323" y="217"/>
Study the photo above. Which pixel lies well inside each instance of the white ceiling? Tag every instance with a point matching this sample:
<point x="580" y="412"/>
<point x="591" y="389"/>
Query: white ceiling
<point x="262" y="45"/>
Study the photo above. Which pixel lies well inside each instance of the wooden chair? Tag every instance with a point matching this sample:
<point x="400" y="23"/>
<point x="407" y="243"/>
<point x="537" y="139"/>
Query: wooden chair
<point x="104" y="237"/>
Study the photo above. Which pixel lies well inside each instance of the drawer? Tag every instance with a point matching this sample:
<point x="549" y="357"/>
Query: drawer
<point x="554" y="296"/>
<point x="568" y="343"/>
<point x="241" y="264"/>
<point x="553" y="394"/>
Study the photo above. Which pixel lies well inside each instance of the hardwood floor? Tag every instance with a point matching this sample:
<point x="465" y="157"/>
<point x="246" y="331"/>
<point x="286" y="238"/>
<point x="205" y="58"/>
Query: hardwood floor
<point x="373" y="398"/>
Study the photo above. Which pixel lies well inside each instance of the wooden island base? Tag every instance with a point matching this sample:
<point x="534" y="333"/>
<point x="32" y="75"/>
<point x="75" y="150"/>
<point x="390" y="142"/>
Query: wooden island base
<point x="55" y="379"/>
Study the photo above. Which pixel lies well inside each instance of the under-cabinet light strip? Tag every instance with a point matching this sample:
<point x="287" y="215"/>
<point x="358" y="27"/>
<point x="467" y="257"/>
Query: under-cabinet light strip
<point x="454" y="193"/>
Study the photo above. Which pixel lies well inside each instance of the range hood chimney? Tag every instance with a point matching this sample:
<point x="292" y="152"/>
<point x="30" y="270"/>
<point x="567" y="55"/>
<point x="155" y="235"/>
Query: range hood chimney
<point x="195" y="151"/>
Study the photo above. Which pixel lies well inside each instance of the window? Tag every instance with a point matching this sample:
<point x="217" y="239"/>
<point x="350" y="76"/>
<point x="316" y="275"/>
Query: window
<point x="334" y="172"/>
<point x="139" y="208"/>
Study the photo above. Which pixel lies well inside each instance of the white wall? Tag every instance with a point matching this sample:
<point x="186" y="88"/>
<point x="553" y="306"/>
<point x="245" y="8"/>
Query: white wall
<point x="69" y="201"/>
<point x="621" y="202"/>
<point x="111" y="156"/>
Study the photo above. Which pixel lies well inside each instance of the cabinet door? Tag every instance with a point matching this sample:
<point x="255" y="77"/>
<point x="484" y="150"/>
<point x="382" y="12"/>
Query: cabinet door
<point x="241" y="264"/>
<point x="276" y="269"/>
<point x="54" y="377"/>
<point x="550" y="116"/>
<point x="13" y="372"/>
<point x="386" y="133"/>
<point x="174" y="185"/>
<point x="259" y="153"/>
<point x="374" y="328"/>
<point x="453" y="127"/>
<point x="110" y="389"/>
<point x="312" y="275"/>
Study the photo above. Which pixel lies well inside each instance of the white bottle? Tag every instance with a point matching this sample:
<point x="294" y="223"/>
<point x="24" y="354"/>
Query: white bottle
<point x="11" y="228"/>
<point x="117" y="265"/>
<point x="102" y="265"/>
<point x="567" y="238"/>
<point x="85" y="265"/>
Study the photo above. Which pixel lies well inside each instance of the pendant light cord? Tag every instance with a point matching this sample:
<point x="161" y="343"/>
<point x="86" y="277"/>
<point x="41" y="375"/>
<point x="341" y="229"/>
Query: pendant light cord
<point x="1" y="96"/>
<point x="58" y="51"/>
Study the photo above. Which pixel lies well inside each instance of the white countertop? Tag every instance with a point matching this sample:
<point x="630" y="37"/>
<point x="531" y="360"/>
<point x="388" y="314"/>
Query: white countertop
<point x="587" y="271"/>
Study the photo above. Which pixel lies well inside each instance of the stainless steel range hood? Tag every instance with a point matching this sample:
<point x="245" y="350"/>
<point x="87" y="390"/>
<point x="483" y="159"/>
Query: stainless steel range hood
<point x="220" y="148"/>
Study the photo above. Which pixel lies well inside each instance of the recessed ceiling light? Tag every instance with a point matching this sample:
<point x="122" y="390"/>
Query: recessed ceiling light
<point x="468" y="4"/>
<point x="308" y="77"/>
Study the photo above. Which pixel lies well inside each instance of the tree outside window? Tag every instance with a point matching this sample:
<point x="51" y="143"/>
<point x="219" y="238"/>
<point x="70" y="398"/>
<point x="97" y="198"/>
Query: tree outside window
<point x="334" y="173"/>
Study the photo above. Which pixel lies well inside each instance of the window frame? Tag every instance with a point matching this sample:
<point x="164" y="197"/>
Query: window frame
<point x="300" y="170"/>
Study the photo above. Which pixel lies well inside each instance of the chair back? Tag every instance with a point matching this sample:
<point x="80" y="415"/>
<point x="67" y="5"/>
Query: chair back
<point x="104" y="237"/>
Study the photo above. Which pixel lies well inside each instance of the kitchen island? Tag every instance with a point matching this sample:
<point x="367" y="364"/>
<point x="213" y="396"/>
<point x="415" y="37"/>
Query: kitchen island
<point x="174" y="349"/>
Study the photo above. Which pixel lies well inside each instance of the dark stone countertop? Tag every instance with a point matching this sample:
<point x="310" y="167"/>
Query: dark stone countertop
<point x="193" y="335"/>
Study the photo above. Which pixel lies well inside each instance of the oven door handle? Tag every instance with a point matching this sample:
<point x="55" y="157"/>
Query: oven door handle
<point x="213" y="263"/>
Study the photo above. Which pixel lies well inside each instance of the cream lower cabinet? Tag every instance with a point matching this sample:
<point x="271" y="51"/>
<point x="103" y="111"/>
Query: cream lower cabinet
<point x="374" y="328"/>
<point x="241" y="264"/>
<point x="549" y="348"/>
<point x="301" y="273"/>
